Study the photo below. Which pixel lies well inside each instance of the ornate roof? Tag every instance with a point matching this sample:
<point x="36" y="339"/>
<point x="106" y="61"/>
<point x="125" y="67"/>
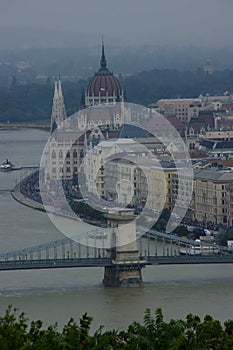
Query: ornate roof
<point x="104" y="82"/>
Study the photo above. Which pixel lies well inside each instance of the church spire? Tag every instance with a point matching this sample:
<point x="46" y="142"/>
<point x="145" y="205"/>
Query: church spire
<point x="103" y="62"/>
<point x="59" y="87"/>
<point x="55" y="89"/>
<point x="58" y="109"/>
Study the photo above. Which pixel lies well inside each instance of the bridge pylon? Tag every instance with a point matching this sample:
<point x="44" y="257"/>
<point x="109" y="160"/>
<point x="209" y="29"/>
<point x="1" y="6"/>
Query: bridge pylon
<point x="125" y="269"/>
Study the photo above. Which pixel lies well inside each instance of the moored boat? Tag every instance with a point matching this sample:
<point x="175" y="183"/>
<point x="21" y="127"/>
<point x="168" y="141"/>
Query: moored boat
<point x="6" y="166"/>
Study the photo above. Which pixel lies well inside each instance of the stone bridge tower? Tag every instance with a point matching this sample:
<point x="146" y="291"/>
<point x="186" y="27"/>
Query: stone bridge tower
<point x="125" y="270"/>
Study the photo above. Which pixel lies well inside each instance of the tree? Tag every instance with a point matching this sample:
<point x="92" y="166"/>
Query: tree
<point x="153" y="334"/>
<point x="180" y="230"/>
<point x="223" y="237"/>
<point x="165" y="214"/>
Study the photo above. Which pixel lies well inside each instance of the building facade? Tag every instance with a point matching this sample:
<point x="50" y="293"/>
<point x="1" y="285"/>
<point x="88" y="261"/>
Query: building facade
<point x="229" y="200"/>
<point x="183" y="108"/>
<point x="210" y="191"/>
<point x="91" y="125"/>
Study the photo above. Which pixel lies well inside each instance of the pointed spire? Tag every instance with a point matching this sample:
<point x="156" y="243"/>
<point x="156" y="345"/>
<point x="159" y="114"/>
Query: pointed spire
<point x="58" y="109"/>
<point x="59" y="87"/>
<point x="103" y="62"/>
<point x="55" y="89"/>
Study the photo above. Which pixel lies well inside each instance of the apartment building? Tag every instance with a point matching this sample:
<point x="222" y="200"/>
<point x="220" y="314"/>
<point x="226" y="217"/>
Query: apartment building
<point x="183" y="108"/>
<point x="210" y="192"/>
<point x="140" y="182"/>
<point x="229" y="200"/>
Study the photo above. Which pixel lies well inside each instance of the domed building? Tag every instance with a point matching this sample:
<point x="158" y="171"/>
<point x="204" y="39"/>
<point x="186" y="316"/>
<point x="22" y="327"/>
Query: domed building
<point x="104" y="91"/>
<point x="100" y="118"/>
<point x="104" y="87"/>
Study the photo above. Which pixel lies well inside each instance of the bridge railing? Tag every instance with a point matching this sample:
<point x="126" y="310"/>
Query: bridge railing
<point x="152" y="244"/>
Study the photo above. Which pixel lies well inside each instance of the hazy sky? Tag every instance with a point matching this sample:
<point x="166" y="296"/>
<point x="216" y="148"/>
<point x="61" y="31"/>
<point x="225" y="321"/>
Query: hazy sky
<point x="197" y="22"/>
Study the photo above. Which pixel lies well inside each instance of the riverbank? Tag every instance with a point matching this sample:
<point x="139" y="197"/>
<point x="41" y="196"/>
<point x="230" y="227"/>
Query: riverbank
<point x="23" y="198"/>
<point x="26" y="192"/>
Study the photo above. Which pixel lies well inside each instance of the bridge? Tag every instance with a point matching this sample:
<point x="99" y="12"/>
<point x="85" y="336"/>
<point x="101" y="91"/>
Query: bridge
<point x="154" y="248"/>
<point x="45" y="126"/>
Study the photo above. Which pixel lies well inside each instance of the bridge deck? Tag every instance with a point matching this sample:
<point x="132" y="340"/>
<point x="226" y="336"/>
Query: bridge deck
<point x="154" y="248"/>
<point x="53" y="263"/>
<point x="203" y="259"/>
<point x="102" y="262"/>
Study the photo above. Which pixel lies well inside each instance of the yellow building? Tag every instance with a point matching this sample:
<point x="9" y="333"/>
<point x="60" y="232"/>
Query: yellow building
<point x="230" y="205"/>
<point x="183" y="108"/>
<point x="160" y="192"/>
<point x="209" y="202"/>
<point x="143" y="181"/>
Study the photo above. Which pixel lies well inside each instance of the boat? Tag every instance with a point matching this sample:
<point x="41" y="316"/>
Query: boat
<point x="7" y="166"/>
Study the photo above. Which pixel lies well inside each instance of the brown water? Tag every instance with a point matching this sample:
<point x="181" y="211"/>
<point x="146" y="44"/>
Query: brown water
<point x="56" y="295"/>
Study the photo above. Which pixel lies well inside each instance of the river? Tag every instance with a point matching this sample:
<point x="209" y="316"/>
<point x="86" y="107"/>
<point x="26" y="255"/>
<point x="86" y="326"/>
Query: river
<point x="57" y="295"/>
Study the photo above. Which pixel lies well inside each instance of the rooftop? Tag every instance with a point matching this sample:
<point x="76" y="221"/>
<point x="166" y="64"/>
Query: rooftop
<point x="213" y="175"/>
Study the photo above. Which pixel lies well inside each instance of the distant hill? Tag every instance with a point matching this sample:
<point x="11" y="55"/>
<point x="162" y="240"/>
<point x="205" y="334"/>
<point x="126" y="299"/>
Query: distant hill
<point x="52" y="52"/>
<point x="25" y="38"/>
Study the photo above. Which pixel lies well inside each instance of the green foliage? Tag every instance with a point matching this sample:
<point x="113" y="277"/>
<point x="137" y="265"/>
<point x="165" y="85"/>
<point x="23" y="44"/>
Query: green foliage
<point x="33" y="102"/>
<point x="180" y="230"/>
<point x="87" y="212"/>
<point x="12" y="329"/>
<point x="223" y="237"/>
<point x="161" y="224"/>
<point x="148" y="86"/>
<point x="153" y="334"/>
<point x="165" y="214"/>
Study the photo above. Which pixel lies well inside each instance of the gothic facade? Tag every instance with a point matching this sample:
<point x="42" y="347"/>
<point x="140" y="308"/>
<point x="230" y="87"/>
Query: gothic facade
<point x="100" y="117"/>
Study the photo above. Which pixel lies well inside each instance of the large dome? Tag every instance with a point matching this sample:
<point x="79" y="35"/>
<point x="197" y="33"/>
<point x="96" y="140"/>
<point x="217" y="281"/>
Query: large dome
<point x="104" y="83"/>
